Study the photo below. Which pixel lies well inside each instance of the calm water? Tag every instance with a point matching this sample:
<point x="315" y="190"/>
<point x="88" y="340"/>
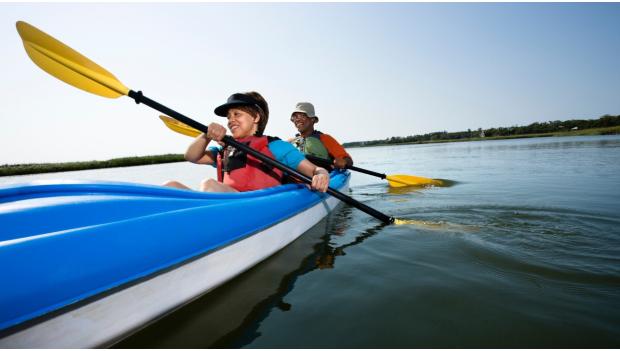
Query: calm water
<point x="522" y="251"/>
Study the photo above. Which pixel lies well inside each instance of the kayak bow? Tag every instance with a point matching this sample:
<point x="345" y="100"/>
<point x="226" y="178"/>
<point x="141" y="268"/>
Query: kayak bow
<point x="85" y="264"/>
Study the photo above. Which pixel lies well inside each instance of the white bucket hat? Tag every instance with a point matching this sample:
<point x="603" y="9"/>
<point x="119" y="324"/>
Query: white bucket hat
<point x="307" y="108"/>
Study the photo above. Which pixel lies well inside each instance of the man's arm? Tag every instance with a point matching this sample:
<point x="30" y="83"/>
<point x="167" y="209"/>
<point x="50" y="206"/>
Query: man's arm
<point x="341" y="158"/>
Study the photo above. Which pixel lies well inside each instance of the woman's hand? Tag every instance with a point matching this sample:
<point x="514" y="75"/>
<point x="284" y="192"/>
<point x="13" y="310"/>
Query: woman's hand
<point x="320" y="179"/>
<point x="216" y="132"/>
<point x="197" y="153"/>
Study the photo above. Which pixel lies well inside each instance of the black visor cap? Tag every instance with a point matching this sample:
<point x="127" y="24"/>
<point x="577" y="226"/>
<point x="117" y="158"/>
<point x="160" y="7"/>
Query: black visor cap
<point x="236" y="100"/>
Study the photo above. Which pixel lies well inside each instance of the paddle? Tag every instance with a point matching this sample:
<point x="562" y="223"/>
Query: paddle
<point x="394" y="180"/>
<point x="179" y="127"/>
<point x="73" y="68"/>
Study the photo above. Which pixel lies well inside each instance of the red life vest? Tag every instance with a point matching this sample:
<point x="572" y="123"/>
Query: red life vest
<point x="245" y="172"/>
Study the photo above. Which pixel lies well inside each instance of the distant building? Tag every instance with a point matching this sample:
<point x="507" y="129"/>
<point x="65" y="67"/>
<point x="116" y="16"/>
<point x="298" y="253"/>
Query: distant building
<point x="574" y="128"/>
<point x="482" y="133"/>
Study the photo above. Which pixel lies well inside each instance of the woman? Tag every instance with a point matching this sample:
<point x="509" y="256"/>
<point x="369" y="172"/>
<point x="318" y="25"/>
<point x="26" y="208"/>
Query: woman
<point x="247" y="115"/>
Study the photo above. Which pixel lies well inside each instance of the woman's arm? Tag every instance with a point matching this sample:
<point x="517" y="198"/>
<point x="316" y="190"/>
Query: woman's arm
<point x="197" y="153"/>
<point x="290" y="156"/>
<point x="320" y="176"/>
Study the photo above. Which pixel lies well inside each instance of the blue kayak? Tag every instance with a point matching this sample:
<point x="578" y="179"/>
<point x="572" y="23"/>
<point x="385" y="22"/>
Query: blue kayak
<point x="85" y="264"/>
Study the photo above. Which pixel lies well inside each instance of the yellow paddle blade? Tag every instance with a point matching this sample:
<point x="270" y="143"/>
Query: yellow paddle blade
<point x="401" y="180"/>
<point x="179" y="127"/>
<point x="443" y="226"/>
<point x="67" y="64"/>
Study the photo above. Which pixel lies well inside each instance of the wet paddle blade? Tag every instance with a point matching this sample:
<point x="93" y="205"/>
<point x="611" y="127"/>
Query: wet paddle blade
<point x="68" y="65"/>
<point x="179" y="127"/>
<point x="443" y="226"/>
<point x="402" y="180"/>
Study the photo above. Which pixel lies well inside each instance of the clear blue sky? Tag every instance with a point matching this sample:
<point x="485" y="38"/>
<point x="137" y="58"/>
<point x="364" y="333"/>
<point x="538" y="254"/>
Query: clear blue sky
<point x="372" y="70"/>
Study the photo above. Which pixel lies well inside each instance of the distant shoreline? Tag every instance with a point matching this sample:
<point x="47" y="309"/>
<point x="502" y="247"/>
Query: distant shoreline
<point x="36" y="168"/>
<point x="592" y="131"/>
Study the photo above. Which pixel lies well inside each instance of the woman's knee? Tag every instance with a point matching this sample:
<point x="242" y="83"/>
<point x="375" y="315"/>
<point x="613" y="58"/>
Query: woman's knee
<point x="171" y="183"/>
<point x="213" y="186"/>
<point x="208" y="185"/>
<point x="175" y="184"/>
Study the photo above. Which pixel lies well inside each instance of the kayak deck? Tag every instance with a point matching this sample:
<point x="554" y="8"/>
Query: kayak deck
<point x="64" y="243"/>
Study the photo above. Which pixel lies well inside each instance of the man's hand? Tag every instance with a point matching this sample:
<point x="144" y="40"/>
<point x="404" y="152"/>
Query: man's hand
<point x="343" y="162"/>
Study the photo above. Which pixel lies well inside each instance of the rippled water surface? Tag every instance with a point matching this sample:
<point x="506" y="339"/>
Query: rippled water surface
<point x="522" y="250"/>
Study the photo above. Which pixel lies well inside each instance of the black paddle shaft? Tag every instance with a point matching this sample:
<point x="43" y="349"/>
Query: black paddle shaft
<point x="139" y="98"/>
<point x="326" y="163"/>
<point x="362" y="170"/>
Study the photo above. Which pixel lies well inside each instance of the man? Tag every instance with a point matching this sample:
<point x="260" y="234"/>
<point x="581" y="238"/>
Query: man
<point x="314" y="143"/>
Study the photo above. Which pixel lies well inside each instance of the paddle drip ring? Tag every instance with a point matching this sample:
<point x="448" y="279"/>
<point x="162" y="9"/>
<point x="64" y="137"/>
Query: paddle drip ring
<point x="137" y="96"/>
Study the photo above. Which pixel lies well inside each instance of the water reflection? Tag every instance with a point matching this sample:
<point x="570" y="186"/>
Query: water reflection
<point x="230" y="316"/>
<point x="324" y="256"/>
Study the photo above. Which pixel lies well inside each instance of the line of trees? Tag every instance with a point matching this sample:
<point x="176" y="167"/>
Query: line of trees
<point x="534" y="128"/>
<point x="31" y="168"/>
